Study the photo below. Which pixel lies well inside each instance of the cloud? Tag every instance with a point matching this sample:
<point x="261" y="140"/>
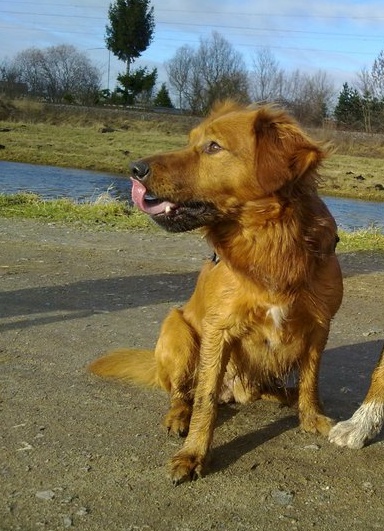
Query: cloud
<point x="339" y="36"/>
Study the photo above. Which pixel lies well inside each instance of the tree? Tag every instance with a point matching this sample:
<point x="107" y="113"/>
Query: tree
<point x="58" y="73"/>
<point x="377" y="76"/>
<point x="178" y="70"/>
<point x="308" y="96"/>
<point x="348" y="111"/>
<point x="371" y="89"/>
<point x="214" y="71"/>
<point x="222" y="70"/>
<point x="162" y="98"/>
<point x="131" y="29"/>
<point x="267" y="78"/>
<point x="10" y="80"/>
<point x="140" y="82"/>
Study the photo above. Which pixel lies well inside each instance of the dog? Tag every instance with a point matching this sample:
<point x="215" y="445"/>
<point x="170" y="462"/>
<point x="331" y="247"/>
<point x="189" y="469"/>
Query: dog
<point x="248" y="178"/>
<point x="368" y="419"/>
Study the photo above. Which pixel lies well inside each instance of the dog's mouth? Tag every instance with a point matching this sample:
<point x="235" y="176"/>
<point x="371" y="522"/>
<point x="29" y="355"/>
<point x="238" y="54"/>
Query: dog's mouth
<point x="150" y="204"/>
<point x="175" y="217"/>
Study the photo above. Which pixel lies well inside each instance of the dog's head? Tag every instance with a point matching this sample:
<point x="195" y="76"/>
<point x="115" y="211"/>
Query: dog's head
<point x="235" y="156"/>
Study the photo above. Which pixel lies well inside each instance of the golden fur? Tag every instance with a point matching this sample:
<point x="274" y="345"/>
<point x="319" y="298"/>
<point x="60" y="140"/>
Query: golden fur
<point x="248" y="178"/>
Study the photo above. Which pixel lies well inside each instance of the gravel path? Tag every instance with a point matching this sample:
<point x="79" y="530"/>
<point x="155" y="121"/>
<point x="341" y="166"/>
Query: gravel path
<point x="78" y="452"/>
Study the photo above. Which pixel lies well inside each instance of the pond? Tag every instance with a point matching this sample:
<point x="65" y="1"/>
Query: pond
<point x="52" y="182"/>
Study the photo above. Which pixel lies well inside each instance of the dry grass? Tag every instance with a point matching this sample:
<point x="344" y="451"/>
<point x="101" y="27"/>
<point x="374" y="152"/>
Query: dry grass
<point x="357" y="177"/>
<point x="84" y="147"/>
<point x="72" y="137"/>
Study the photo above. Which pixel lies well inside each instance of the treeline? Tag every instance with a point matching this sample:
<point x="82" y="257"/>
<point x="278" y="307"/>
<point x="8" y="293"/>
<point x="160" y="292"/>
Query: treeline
<point x="196" y="78"/>
<point x="56" y="74"/>
<point x="361" y="107"/>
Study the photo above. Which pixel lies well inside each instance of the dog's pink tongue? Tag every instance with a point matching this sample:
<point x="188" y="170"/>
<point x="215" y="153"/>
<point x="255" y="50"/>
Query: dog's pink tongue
<point x="149" y="207"/>
<point x="138" y="193"/>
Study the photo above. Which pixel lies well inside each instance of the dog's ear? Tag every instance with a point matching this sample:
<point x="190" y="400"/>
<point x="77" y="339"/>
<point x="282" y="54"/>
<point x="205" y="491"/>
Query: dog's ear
<point x="283" y="152"/>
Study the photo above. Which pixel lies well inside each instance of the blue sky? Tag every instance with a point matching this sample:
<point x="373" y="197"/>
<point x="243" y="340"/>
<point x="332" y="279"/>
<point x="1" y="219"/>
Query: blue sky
<point x="338" y="36"/>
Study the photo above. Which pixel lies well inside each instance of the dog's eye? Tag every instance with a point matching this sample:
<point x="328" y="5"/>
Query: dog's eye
<point x="212" y="147"/>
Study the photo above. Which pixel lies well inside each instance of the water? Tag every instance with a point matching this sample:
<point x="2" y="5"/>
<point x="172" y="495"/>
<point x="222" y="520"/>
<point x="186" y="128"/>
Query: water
<point x="51" y="182"/>
<point x="352" y="214"/>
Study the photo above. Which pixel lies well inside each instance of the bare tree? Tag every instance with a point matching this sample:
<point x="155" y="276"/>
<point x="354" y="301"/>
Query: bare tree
<point x="377" y="76"/>
<point x="10" y="84"/>
<point x="364" y="81"/>
<point x="179" y="71"/>
<point x="370" y="84"/>
<point x="222" y="70"/>
<point x="215" y="71"/>
<point x="267" y="78"/>
<point x="309" y="97"/>
<point x="58" y="73"/>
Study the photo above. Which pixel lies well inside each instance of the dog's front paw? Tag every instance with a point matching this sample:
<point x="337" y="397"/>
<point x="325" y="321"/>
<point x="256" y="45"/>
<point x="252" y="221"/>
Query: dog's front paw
<point x="177" y="419"/>
<point x="316" y="423"/>
<point x="186" y="467"/>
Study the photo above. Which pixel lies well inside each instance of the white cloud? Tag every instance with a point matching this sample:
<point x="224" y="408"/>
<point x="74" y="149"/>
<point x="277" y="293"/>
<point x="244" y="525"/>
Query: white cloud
<point x="339" y="36"/>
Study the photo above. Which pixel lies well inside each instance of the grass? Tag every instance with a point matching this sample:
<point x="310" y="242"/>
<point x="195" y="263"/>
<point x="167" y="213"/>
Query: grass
<point x="109" y="139"/>
<point x="87" y="147"/>
<point x="354" y="177"/>
<point x="112" y="214"/>
<point x="84" y="147"/>
<point x="361" y="240"/>
<point x="105" y="214"/>
<point x="68" y="136"/>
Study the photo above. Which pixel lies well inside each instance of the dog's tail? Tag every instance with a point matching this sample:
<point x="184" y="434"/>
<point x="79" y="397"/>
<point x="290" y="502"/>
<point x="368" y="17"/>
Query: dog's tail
<point x="138" y="366"/>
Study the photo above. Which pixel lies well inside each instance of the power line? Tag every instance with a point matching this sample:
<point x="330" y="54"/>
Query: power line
<point x="275" y="30"/>
<point x="247" y="45"/>
<point x="218" y="26"/>
<point x="221" y="13"/>
<point x="55" y="15"/>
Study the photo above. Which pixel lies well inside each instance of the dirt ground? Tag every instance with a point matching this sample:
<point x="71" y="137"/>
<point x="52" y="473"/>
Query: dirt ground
<point x="79" y="452"/>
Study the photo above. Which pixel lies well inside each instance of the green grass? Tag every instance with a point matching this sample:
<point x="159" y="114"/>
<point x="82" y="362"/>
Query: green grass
<point x="108" y="214"/>
<point x="371" y="239"/>
<point x="113" y="215"/>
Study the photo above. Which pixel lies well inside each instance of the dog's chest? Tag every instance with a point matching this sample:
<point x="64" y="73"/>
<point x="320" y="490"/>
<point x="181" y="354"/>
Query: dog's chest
<point x="274" y="325"/>
<point x="277" y="316"/>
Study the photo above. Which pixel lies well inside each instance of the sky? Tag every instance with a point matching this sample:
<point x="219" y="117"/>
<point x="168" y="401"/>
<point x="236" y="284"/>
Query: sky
<point x="340" y="37"/>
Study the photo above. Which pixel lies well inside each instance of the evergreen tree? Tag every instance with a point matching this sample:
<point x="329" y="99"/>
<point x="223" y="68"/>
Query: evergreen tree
<point x="140" y="82"/>
<point x="131" y="29"/>
<point x="349" y="111"/>
<point x="162" y="98"/>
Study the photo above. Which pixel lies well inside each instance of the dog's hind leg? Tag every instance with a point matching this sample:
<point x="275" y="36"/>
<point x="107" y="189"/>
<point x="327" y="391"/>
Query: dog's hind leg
<point x="177" y="356"/>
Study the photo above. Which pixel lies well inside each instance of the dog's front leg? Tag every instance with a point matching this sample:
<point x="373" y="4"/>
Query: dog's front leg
<point x="189" y="462"/>
<point x="312" y="418"/>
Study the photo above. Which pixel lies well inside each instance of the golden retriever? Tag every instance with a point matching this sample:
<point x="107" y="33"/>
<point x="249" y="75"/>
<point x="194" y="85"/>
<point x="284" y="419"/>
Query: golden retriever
<point x="263" y="307"/>
<point x="368" y="419"/>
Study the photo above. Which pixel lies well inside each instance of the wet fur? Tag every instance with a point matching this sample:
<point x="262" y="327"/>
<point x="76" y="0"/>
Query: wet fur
<point x="265" y="308"/>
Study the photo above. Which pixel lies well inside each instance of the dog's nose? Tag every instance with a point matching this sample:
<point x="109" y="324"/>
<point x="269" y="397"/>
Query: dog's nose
<point x="139" y="170"/>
